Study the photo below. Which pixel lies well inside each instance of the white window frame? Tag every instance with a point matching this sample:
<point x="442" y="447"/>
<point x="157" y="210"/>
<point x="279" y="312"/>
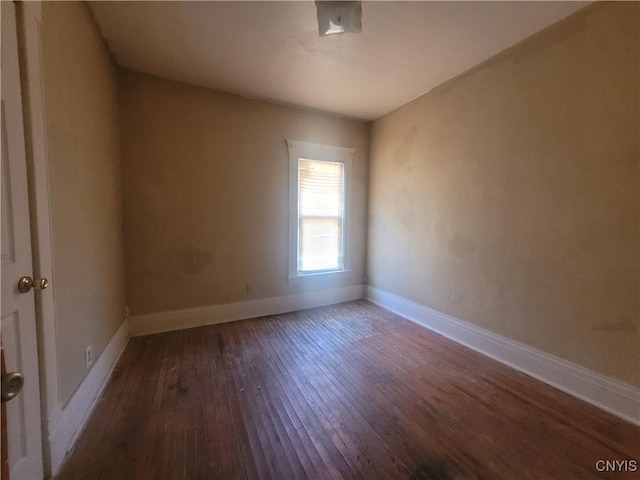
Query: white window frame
<point x="326" y="153"/>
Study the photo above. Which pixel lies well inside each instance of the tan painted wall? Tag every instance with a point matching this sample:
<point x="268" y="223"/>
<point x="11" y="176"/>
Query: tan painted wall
<point x="508" y="197"/>
<point x="206" y="193"/>
<point x="81" y="106"/>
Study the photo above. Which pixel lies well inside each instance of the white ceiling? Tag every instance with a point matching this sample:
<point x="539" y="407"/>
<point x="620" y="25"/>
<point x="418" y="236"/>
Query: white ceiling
<point x="272" y="51"/>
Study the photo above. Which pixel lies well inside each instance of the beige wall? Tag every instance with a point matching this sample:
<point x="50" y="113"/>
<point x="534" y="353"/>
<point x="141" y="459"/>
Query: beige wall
<point x="206" y="193"/>
<point x="80" y="94"/>
<point x="508" y="197"/>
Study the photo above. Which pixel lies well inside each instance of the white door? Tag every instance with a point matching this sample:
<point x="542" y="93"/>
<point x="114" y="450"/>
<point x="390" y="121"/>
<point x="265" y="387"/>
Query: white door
<point x="18" y="311"/>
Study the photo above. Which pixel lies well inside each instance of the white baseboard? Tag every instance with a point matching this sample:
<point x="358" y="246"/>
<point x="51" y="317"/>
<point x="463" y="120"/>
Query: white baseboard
<point x="69" y="422"/>
<point x="213" y="314"/>
<point x="614" y="396"/>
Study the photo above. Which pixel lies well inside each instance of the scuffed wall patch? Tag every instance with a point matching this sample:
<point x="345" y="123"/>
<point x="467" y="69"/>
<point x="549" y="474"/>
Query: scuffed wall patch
<point x="404" y="203"/>
<point x="402" y="153"/>
<point x="461" y="246"/>
<point x="194" y="260"/>
<point x="624" y="325"/>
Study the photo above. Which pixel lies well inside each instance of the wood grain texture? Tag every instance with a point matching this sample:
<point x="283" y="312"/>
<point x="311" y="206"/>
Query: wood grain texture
<point x="342" y="392"/>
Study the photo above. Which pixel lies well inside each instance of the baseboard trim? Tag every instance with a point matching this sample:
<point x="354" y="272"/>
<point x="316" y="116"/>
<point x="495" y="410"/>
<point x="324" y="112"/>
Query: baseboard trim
<point x="614" y="396"/>
<point x="70" y="420"/>
<point x="229" y="312"/>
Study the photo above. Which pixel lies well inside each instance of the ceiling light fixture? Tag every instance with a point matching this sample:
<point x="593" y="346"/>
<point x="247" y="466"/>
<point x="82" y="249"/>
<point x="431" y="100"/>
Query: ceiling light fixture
<point x="339" y="17"/>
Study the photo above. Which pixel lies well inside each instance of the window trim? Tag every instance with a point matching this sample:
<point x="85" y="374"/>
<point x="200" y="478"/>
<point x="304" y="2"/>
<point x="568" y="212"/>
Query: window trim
<point x="327" y="153"/>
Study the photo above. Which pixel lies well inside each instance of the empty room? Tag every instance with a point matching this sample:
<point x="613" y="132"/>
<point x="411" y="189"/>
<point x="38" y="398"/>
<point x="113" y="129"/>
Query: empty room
<point x="320" y="240"/>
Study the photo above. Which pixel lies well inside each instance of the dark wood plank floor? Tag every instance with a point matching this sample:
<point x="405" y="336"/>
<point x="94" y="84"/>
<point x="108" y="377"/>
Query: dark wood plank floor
<point x="349" y="391"/>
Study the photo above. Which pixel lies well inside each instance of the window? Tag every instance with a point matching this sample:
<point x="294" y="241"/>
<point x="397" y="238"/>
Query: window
<point x="319" y="191"/>
<point x="320" y="215"/>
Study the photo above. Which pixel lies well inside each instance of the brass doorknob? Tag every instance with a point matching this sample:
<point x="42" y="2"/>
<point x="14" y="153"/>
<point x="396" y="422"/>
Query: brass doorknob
<point x="11" y="385"/>
<point x="26" y="283"/>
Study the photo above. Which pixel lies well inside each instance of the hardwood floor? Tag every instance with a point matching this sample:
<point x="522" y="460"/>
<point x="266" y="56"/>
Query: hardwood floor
<point x="349" y="391"/>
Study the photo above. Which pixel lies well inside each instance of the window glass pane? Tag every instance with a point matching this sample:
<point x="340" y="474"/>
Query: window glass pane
<point x="320" y="214"/>
<point x="320" y="244"/>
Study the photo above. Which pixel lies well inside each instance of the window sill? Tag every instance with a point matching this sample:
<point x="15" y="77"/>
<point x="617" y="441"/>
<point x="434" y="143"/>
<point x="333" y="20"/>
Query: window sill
<point x="319" y="277"/>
